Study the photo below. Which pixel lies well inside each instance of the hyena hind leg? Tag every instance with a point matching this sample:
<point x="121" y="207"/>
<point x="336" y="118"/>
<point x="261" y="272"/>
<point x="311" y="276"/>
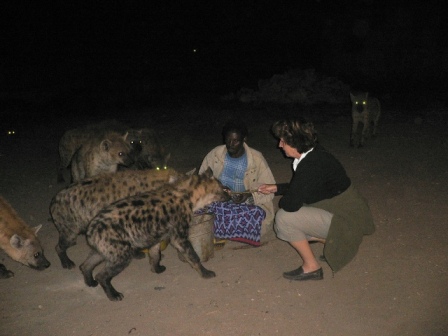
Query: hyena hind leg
<point x="184" y="246"/>
<point x="87" y="267"/>
<point x="104" y="277"/>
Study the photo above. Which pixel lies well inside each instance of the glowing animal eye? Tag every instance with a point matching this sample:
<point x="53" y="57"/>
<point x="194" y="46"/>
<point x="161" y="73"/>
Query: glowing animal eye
<point x="158" y="168"/>
<point x="364" y="102"/>
<point x="37" y="255"/>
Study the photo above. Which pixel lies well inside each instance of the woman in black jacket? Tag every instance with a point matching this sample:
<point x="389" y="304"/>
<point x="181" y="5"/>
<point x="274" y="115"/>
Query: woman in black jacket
<point x="319" y="203"/>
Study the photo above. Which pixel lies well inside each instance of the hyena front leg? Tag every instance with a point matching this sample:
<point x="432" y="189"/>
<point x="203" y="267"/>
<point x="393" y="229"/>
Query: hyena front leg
<point x="5" y="273"/>
<point x="87" y="267"/>
<point x="365" y="130"/>
<point x="67" y="238"/>
<point x="353" y="135"/>
<point x="183" y="245"/>
<point x="110" y="270"/>
<point x="154" y="259"/>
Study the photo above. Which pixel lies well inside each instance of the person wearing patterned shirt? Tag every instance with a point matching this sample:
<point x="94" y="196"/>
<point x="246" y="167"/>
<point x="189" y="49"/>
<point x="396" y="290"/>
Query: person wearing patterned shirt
<point x="242" y="169"/>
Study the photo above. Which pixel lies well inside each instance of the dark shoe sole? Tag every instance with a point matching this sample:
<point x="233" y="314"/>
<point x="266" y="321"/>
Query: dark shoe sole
<point x="299" y="275"/>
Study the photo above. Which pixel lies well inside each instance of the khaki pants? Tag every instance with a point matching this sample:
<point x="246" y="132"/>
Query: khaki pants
<point x="303" y="224"/>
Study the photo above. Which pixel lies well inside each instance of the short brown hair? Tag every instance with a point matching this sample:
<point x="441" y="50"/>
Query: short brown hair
<point x="296" y="132"/>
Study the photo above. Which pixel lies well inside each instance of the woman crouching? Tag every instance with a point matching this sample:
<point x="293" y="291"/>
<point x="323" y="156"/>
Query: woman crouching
<point x="319" y="204"/>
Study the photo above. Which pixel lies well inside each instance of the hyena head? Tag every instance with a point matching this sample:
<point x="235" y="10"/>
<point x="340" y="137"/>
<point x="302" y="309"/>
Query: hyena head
<point x="205" y="189"/>
<point x="359" y="101"/>
<point x="28" y="251"/>
<point x="150" y="152"/>
<point x="116" y="148"/>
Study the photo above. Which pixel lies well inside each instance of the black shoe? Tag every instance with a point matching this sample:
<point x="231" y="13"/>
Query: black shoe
<point x="298" y="274"/>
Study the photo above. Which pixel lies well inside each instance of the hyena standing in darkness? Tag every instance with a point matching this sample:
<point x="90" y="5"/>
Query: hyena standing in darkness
<point x="365" y="110"/>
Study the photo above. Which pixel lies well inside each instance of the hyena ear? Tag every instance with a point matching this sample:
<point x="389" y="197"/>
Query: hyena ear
<point x="190" y="172"/>
<point x="37" y="228"/>
<point x="16" y="241"/>
<point x="167" y="157"/>
<point x="105" y="145"/>
<point x="125" y="136"/>
<point x="208" y="173"/>
<point x="352" y="97"/>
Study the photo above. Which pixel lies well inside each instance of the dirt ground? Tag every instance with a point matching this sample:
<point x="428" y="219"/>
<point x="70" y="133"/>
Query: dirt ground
<point x="396" y="285"/>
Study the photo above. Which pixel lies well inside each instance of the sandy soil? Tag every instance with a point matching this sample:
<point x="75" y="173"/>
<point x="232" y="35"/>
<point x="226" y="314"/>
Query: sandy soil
<point x="396" y="285"/>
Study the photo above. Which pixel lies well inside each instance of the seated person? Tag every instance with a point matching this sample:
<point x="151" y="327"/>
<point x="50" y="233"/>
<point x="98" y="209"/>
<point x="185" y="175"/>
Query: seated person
<point x="242" y="169"/>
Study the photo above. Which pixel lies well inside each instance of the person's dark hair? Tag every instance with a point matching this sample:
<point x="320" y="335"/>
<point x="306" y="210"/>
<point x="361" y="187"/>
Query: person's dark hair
<point x="235" y="126"/>
<point x="296" y="132"/>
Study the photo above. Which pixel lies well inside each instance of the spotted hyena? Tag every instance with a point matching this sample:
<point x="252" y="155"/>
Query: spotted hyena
<point x="74" y="207"/>
<point x="365" y="110"/>
<point x="142" y="222"/>
<point x="150" y="153"/>
<point x="73" y="139"/>
<point x="101" y="155"/>
<point x="146" y="149"/>
<point x="19" y="241"/>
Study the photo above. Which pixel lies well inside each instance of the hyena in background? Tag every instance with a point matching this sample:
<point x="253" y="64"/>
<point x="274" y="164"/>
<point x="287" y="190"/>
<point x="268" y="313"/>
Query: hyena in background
<point x="19" y="241"/>
<point x="101" y="155"/>
<point x="147" y="151"/>
<point x="365" y="110"/>
<point x="142" y="222"/>
<point x="74" y="207"/>
<point x="73" y="139"/>
<point x="151" y="154"/>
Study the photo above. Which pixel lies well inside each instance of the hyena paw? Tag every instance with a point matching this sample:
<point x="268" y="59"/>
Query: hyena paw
<point x="5" y="273"/>
<point x="159" y="269"/>
<point x="206" y="274"/>
<point x="113" y="295"/>
<point x="67" y="263"/>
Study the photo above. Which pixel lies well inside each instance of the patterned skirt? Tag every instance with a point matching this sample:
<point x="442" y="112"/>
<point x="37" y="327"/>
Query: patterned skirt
<point x="237" y="222"/>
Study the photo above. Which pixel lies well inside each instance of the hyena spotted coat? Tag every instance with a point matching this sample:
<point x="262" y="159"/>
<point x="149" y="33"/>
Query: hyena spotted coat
<point x="74" y="207"/>
<point x="151" y="154"/>
<point x="365" y="110"/>
<point x="101" y="155"/>
<point x="142" y="222"/>
<point x="73" y="139"/>
<point x="19" y="241"/>
<point x="147" y="151"/>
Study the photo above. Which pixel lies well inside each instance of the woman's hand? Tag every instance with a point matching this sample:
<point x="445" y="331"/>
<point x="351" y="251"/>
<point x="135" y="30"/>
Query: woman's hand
<point x="267" y="189"/>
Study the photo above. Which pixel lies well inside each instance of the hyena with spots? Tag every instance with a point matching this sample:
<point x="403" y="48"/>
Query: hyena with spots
<point x="147" y="151"/>
<point x="151" y="154"/>
<point x="19" y="241"/>
<point x="74" y="207"/>
<point x="142" y="222"/>
<point x="365" y="110"/>
<point x="73" y="139"/>
<point x="101" y="155"/>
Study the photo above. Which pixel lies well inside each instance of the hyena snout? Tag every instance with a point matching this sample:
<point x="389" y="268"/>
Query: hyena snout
<point x="126" y="158"/>
<point x="360" y="108"/>
<point x="39" y="262"/>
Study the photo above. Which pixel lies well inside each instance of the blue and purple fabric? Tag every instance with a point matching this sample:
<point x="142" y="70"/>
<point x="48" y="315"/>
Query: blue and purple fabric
<point x="237" y="222"/>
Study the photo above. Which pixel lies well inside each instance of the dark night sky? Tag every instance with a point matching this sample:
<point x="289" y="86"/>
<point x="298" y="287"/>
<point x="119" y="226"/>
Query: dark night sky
<point x="99" y="42"/>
